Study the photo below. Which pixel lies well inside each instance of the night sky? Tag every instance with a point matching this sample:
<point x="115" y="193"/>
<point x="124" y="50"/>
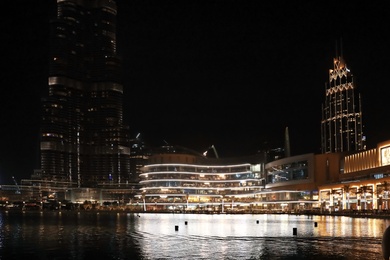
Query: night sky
<point x="233" y="74"/>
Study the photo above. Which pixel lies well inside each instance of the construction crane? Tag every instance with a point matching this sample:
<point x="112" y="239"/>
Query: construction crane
<point x="17" y="186"/>
<point x="215" y="151"/>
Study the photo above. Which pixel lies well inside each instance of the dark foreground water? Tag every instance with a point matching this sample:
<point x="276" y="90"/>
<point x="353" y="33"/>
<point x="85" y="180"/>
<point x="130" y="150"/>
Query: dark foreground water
<point x="93" y="235"/>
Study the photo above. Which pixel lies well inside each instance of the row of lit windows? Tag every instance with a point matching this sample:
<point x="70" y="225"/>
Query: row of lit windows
<point x="200" y="191"/>
<point x="211" y="185"/>
<point x="195" y="177"/>
<point x="52" y="135"/>
<point x="206" y="170"/>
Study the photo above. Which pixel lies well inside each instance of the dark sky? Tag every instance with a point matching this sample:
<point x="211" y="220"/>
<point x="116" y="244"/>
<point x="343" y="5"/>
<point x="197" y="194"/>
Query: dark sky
<point x="233" y="74"/>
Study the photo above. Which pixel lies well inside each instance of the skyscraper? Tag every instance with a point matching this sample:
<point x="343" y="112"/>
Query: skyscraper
<point x="83" y="137"/>
<point x="341" y="125"/>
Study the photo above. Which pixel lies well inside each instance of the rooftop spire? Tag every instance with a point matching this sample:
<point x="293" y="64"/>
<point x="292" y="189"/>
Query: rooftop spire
<point x="287" y="143"/>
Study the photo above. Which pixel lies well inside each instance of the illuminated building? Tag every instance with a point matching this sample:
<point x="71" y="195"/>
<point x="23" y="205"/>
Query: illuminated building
<point x="179" y="178"/>
<point x="341" y="125"/>
<point x="139" y="154"/>
<point x="83" y="138"/>
<point x="363" y="182"/>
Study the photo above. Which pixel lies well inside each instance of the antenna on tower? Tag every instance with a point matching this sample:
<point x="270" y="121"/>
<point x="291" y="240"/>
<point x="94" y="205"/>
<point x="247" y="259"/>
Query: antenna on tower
<point x="287" y="143"/>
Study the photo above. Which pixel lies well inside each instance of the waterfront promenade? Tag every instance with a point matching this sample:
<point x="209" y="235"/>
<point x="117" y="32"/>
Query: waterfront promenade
<point x="380" y="214"/>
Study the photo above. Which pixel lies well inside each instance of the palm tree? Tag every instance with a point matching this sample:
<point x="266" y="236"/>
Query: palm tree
<point x="364" y="189"/>
<point x="384" y="189"/>
<point x="346" y="190"/>
<point x="332" y="193"/>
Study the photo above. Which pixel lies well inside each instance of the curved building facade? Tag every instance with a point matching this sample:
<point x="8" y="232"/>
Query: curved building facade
<point x="180" y="179"/>
<point x="175" y="179"/>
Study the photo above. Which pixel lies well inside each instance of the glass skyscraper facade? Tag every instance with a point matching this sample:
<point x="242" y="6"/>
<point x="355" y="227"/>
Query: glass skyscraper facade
<point x="83" y="137"/>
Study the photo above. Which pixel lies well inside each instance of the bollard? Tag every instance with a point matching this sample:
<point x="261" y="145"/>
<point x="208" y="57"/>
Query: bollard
<point x="295" y="231"/>
<point x="176" y="228"/>
<point x="386" y="244"/>
<point x="315" y="224"/>
<point x="185" y="222"/>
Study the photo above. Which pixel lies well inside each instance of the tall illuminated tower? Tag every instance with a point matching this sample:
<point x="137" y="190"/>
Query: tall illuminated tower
<point x="83" y="138"/>
<point x="341" y="125"/>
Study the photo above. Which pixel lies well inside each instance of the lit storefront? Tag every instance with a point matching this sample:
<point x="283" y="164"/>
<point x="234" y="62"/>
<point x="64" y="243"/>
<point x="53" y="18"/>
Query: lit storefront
<point x="364" y="182"/>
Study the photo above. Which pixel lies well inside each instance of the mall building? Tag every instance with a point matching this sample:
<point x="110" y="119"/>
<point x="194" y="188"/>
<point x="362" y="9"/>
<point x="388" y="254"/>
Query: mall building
<point x="178" y="180"/>
<point x="363" y="182"/>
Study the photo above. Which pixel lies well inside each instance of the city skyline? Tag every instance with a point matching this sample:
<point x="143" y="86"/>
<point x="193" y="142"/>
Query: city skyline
<point x="183" y="63"/>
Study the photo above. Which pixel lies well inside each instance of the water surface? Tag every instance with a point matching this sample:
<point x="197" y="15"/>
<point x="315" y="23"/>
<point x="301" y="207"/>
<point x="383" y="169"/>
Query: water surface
<point x="109" y="235"/>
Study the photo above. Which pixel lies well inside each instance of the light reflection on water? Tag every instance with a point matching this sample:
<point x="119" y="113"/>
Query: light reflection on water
<point x="87" y="235"/>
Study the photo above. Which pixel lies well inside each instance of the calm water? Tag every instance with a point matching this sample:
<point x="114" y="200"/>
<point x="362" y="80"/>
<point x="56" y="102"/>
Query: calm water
<point x="88" y="235"/>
